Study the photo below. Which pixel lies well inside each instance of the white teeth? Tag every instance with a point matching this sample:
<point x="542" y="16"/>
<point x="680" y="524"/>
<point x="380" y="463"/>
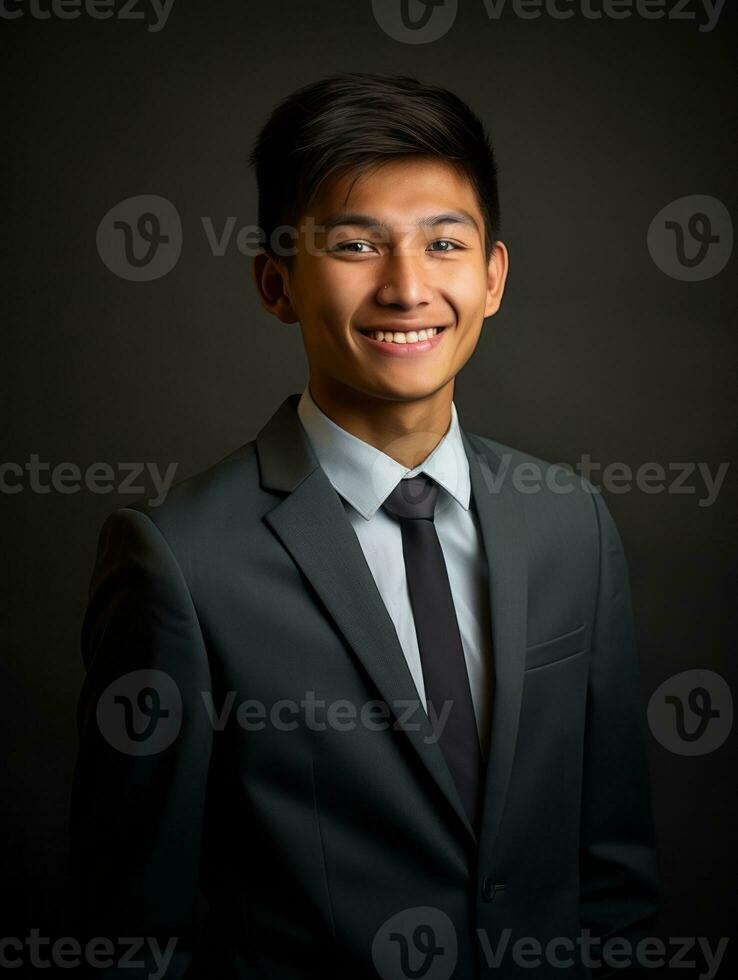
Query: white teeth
<point x="398" y="337"/>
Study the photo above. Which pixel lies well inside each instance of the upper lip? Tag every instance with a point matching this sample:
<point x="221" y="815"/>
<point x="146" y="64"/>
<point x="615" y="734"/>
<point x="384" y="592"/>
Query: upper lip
<point x="402" y="327"/>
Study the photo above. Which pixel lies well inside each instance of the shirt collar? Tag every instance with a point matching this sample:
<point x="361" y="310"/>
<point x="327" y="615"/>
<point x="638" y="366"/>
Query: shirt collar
<point x="365" y="476"/>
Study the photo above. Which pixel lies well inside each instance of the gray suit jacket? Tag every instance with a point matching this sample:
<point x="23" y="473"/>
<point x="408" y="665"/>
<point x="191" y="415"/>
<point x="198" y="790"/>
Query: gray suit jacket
<point x="282" y="839"/>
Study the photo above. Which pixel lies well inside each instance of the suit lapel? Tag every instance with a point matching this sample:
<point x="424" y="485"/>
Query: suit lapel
<point x="311" y="523"/>
<point x="504" y="533"/>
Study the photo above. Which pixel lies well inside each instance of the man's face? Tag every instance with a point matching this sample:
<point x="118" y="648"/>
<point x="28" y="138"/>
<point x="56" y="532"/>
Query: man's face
<point x="369" y="257"/>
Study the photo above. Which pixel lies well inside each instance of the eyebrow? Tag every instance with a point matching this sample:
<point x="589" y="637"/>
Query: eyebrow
<point x="338" y="218"/>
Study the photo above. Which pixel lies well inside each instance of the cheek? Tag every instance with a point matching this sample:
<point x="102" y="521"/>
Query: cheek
<point x="332" y="315"/>
<point x="465" y="288"/>
<point x="326" y="329"/>
<point x="347" y="294"/>
<point x="326" y="302"/>
<point x="340" y="303"/>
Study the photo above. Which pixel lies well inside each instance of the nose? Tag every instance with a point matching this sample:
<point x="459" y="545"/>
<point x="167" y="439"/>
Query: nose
<point x="404" y="282"/>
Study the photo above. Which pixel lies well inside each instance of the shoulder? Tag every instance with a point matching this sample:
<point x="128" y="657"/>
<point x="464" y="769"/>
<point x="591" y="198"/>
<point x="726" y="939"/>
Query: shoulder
<point x="215" y="503"/>
<point x="552" y="494"/>
<point x="527" y="473"/>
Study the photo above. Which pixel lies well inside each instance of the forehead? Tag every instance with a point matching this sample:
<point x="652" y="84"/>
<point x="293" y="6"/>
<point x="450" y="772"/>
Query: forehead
<point x="398" y="191"/>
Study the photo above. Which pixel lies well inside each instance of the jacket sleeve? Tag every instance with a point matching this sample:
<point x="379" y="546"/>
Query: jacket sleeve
<point x="619" y="886"/>
<point x="144" y="748"/>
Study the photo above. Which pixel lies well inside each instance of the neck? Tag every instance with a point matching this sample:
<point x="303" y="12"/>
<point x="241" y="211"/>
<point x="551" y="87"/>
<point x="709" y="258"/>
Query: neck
<point x="407" y="431"/>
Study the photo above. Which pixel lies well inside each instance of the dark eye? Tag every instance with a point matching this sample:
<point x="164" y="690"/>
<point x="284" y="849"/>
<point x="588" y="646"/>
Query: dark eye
<point x="344" y="246"/>
<point x="445" y="241"/>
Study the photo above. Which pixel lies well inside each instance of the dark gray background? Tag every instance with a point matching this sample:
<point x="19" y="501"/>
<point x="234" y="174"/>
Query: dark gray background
<point x="597" y="125"/>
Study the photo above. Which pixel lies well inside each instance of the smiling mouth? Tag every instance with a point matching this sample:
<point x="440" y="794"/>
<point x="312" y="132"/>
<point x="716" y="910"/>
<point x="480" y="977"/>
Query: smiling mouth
<point x="402" y="336"/>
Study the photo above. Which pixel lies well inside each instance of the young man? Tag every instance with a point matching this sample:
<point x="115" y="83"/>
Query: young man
<point x="381" y="701"/>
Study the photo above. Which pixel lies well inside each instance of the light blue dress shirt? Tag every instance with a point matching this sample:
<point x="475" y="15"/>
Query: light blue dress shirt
<point x="364" y="477"/>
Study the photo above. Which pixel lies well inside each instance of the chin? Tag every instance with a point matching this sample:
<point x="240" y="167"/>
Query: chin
<point x="404" y="390"/>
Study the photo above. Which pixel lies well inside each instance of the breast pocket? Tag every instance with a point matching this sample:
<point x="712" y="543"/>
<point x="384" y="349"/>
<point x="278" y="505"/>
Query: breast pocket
<point x="559" y="648"/>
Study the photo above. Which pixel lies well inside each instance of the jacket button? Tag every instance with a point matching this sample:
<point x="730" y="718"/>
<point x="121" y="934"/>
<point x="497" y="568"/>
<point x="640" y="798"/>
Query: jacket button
<point x="490" y="889"/>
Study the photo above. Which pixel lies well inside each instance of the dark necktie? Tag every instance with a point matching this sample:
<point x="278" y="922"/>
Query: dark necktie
<point x="445" y="676"/>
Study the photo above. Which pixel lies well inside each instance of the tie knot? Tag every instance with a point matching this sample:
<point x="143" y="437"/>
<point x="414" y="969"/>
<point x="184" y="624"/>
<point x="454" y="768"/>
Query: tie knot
<point x="414" y="498"/>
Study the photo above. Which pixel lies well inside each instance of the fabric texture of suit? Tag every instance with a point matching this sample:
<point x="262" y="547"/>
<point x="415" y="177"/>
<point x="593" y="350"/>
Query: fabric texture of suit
<point x="297" y="851"/>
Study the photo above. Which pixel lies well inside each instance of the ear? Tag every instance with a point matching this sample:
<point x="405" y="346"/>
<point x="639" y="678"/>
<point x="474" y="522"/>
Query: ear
<point x="496" y="278"/>
<point x="271" y="279"/>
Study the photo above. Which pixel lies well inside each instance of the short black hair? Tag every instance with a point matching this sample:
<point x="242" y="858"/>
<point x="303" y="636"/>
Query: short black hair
<point x="355" y="121"/>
